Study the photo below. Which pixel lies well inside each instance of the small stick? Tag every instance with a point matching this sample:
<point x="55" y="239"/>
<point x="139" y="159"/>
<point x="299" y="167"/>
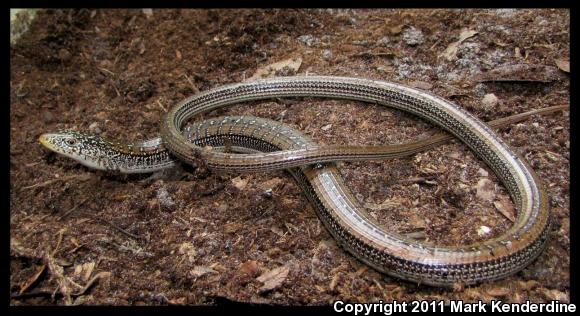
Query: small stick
<point x="161" y="105"/>
<point x="32" y="280"/>
<point x="83" y="177"/>
<point x="72" y="209"/>
<point x="504" y="121"/>
<point x="193" y="86"/>
<point x="118" y="228"/>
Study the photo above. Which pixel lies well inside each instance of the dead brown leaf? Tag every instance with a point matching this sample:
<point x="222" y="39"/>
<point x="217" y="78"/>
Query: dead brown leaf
<point x="199" y="271"/>
<point x="273" y="278"/>
<point x="450" y="53"/>
<point x="506" y="208"/>
<point x="563" y="64"/>
<point x="26" y="285"/>
<point x="85" y="270"/>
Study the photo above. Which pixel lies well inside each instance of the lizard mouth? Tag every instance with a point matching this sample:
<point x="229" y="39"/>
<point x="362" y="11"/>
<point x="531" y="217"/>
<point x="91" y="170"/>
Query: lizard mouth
<point x="44" y="139"/>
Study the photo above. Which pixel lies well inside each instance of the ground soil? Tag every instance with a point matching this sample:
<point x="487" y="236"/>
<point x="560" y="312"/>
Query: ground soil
<point x="187" y="237"/>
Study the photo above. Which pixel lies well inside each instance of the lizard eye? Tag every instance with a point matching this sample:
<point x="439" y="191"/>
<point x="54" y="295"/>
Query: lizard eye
<point x="71" y="141"/>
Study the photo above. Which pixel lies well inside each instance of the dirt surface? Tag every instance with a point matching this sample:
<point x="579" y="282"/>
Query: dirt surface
<point x="185" y="237"/>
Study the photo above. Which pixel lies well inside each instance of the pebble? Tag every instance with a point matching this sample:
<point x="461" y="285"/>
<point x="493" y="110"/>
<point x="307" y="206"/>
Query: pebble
<point x="222" y="208"/>
<point x="47" y="117"/>
<point x="64" y="55"/>
<point x="326" y="127"/>
<point x="384" y="41"/>
<point x="308" y="39"/>
<point x="148" y="13"/>
<point x="483" y="230"/>
<point x="164" y="198"/>
<point x="485" y="190"/>
<point x="360" y="43"/>
<point x="95" y="128"/>
<point x="413" y="36"/>
<point x="250" y="268"/>
<point x="327" y="54"/>
<point x="489" y="101"/>
<point x="482" y="173"/>
<point x="267" y="194"/>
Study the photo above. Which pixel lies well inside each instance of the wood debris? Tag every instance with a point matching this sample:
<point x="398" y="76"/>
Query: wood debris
<point x="521" y="73"/>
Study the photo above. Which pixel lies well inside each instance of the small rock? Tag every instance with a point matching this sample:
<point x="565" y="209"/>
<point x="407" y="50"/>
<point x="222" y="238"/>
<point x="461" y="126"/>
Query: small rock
<point x="164" y="198"/>
<point x="483" y="230"/>
<point x="395" y="30"/>
<point x="47" y="117"/>
<point x="64" y="55"/>
<point x="148" y="13"/>
<point x="102" y="115"/>
<point x="222" y="208"/>
<point x="485" y="190"/>
<point x="413" y="36"/>
<point x="232" y="227"/>
<point x="482" y="173"/>
<point x="267" y="194"/>
<point x="188" y="250"/>
<point x="417" y="222"/>
<point x="360" y="43"/>
<point x="95" y="128"/>
<point x="250" y="268"/>
<point x="308" y="39"/>
<point x="327" y="54"/>
<point x="239" y="183"/>
<point x="326" y="127"/>
<point x="489" y="101"/>
<point x="384" y="41"/>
